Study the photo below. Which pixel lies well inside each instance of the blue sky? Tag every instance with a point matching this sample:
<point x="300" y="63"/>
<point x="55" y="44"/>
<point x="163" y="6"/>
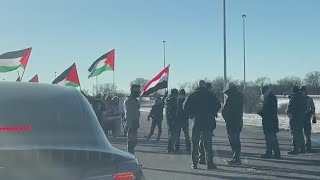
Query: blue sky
<point x="282" y="37"/>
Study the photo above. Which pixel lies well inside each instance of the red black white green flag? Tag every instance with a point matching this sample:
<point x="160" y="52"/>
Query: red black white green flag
<point x="13" y="60"/>
<point x="104" y="63"/>
<point x="35" y="79"/>
<point x="157" y="83"/>
<point x="69" y="77"/>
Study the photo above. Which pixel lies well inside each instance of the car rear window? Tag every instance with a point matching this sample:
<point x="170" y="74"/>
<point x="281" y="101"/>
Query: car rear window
<point x="58" y="119"/>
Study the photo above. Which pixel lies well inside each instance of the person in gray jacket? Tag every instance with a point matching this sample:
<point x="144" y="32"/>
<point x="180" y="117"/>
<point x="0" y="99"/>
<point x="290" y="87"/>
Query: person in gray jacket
<point x="310" y="113"/>
<point x="132" y="116"/>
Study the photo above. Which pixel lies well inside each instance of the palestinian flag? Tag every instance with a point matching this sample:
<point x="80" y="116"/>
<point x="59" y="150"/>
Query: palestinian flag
<point x="69" y="77"/>
<point x="157" y="83"/>
<point x="35" y="79"/>
<point x="104" y="63"/>
<point x="13" y="60"/>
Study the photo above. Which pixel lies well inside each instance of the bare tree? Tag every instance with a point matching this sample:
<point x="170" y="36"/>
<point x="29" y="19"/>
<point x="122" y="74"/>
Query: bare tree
<point x="290" y="81"/>
<point x="191" y="86"/>
<point x="261" y="81"/>
<point x="217" y="83"/>
<point x="139" y="81"/>
<point x="105" y="90"/>
<point x="313" y="79"/>
<point x="183" y="85"/>
<point x="285" y="84"/>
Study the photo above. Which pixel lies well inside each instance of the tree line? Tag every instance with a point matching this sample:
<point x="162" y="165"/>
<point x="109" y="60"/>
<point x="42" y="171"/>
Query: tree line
<point x="280" y="87"/>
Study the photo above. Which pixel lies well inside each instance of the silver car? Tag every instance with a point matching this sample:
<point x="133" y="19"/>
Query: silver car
<point x="50" y="132"/>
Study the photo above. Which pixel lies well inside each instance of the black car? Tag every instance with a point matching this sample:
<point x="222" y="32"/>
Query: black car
<point x="50" y="132"/>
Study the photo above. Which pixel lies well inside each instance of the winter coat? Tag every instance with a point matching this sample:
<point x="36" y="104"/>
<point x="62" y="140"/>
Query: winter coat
<point x="296" y="111"/>
<point x="171" y="110"/>
<point x="233" y="110"/>
<point x="132" y="112"/>
<point x="202" y="106"/>
<point x="269" y="114"/>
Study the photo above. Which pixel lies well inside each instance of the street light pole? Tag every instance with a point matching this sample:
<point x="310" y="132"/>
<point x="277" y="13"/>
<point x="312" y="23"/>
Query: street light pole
<point x="224" y="47"/>
<point x="244" y="54"/>
<point x="164" y="54"/>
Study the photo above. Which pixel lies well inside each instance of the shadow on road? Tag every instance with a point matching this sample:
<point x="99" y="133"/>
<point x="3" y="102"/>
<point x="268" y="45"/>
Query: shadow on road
<point x="198" y="173"/>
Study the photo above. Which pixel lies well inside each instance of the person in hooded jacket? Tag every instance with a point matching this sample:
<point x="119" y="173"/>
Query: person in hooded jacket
<point x="172" y="119"/>
<point x="270" y="123"/>
<point x="202" y="106"/>
<point x="310" y="113"/>
<point x="232" y="113"/>
<point x="296" y="112"/>
<point x="183" y="122"/>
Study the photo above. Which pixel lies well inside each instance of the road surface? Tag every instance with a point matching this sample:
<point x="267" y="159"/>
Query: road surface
<point x="158" y="165"/>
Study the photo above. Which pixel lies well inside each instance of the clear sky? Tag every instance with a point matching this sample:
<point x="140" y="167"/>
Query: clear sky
<point x="282" y="37"/>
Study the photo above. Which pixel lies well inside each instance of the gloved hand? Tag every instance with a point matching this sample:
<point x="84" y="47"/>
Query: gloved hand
<point x="314" y="120"/>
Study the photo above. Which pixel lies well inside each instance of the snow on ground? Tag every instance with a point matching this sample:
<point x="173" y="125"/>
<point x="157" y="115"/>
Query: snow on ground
<point x="316" y="99"/>
<point x="255" y="120"/>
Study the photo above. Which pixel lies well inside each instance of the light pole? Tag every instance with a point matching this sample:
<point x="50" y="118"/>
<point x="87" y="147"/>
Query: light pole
<point x="224" y="47"/>
<point x="55" y="75"/>
<point x="244" y="54"/>
<point x="164" y="54"/>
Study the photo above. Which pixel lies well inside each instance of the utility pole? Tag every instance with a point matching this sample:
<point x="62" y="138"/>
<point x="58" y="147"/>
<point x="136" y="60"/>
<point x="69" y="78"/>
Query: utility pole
<point x="164" y="54"/>
<point x="224" y="48"/>
<point x="244" y="54"/>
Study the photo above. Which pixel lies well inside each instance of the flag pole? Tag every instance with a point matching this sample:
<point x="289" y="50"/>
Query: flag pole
<point x="19" y="75"/>
<point x="25" y="67"/>
<point x="164" y="60"/>
<point x="168" y="76"/>
<point x="23" y="73"/>
<point x="92" y="89"/>
<point x="113" y="88"/>
<point x="96" y="85"/>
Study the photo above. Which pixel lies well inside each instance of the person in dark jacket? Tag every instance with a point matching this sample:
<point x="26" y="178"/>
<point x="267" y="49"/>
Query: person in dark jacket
<point x="183" y="122"/>
<point x="202" y="158"/>
<point x="232" y="113"/>
<point x="202" y="106"/>
<point x="310" y="113"/>
<point x="296" y="112"/>
<point x="156" y="114"/>
<point x="172" y="118"/>
<point x="270" y="123"/>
